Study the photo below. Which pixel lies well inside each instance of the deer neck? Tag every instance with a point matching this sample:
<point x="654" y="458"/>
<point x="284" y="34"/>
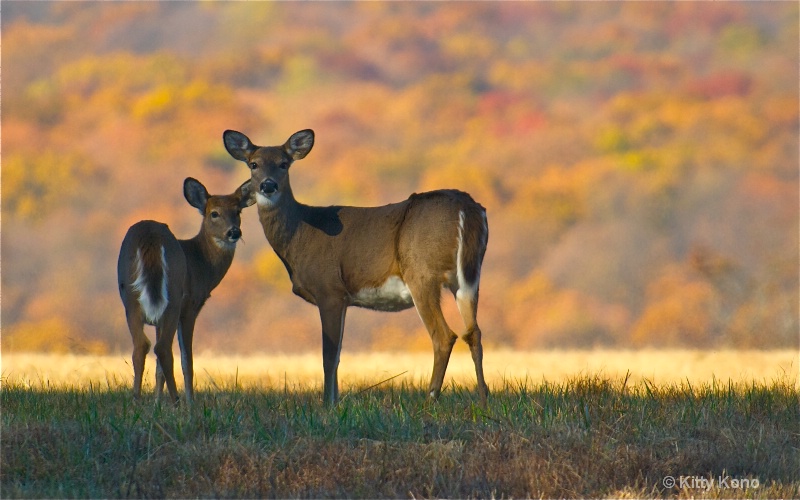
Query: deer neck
<point x="282" y="222"/>
<point x="213" y="257"/>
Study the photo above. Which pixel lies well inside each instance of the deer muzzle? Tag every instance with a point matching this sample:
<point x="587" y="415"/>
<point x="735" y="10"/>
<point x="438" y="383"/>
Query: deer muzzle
<point x="269" y="186"/>
<point x="234" y="234"/>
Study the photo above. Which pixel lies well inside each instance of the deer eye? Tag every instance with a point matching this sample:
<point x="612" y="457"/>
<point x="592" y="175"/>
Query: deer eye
<point x="253" y="165"/>
<point x="214" y="214"/>
<point x="284" y="165"/>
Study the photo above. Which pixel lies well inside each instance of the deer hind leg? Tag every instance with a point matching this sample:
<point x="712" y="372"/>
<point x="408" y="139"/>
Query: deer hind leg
<point x="141" y="346"/>
<point x="427" y="301"/>
<point x="160" y="381"/>
<point x="165" y="333"/>
<point x="467" y="302"/>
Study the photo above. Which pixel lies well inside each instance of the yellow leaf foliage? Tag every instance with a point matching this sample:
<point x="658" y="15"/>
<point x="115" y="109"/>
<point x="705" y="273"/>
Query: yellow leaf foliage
<point x="36" y="183"/>
<point x="680" y="311"/>
<point x="53" y="334"/>
<point x="270" y="270"/>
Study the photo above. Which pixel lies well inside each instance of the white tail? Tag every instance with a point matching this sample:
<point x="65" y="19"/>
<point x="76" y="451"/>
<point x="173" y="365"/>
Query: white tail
<point x="153" y="304"/>
<point x="386" y="258"/>
<point x="164" y="281"/>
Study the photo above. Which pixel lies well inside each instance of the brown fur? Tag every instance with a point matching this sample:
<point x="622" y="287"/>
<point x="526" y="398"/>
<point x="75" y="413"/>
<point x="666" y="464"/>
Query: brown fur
<point x="335" y="255"/>
<point x="194" y="268"/>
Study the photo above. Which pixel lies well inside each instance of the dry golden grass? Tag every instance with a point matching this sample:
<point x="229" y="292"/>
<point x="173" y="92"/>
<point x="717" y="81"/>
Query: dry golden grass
<point x="358" y="369"/>
<point x="585" y="431"/>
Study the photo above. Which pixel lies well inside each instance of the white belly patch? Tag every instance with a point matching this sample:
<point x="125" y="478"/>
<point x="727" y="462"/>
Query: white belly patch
<point x="392" y="296"/>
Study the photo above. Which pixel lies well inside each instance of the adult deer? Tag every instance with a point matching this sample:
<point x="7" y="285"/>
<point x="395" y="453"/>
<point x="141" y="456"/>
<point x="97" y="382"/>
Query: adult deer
<point x="164" y="281"/>
<point x="385" y="258"/>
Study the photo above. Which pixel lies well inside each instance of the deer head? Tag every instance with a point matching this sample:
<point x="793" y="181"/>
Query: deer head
<point x="269" y="166"/>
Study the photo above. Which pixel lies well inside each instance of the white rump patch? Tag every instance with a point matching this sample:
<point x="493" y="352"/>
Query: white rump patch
<point x="465" y="290"/>
<point x="392" y="296"/>
<point x="153" y="307"/>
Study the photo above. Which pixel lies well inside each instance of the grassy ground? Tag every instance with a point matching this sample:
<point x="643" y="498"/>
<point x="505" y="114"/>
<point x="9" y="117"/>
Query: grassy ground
<point x="359" y="368"/>
<point x="582" y="436"/>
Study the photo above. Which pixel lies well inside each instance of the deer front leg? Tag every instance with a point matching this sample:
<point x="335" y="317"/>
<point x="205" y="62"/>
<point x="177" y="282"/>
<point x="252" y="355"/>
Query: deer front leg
<point x="159" y="380"/>
<point x="332" y="315"/>
<point x="185" y="336"/>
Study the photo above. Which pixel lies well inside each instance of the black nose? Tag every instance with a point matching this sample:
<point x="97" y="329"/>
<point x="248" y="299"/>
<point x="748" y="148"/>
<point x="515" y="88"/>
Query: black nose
<point x="269" y="186"/>
<point x="234" y="233"/>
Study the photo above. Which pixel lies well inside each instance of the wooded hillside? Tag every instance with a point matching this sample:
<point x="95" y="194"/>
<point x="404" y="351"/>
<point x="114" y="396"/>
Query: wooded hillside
<point x="638" y="161"/>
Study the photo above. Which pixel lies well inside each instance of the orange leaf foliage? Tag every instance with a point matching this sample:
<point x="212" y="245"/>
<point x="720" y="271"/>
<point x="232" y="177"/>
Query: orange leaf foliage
<point x="608" y="143"/>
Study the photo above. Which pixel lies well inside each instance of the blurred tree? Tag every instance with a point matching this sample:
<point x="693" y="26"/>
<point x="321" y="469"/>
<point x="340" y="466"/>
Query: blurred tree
<point x="50" y="335"/>
<point x="607" y="142"/>
<point x="269" y="269"/>
<point x="38" y="183"/>
<point x="680" y="311"/>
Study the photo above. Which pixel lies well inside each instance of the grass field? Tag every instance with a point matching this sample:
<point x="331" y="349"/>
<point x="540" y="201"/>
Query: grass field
<point x="657" y="366"/>
<point x="718" y="425"/>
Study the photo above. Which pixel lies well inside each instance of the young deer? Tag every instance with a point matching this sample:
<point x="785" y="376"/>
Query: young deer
<point x="385" y="258"/>
<point x="164" y="281"/>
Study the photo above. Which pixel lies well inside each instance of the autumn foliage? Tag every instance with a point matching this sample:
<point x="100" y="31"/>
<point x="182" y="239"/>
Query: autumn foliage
<point x="638" y="161"/>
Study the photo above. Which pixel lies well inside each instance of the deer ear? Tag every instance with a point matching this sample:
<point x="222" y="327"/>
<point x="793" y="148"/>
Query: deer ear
<point x="195" y="193"/>
<point x="237" y="144"/>
<point x="247" y="194"/>
<point x="299" y="144"/>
